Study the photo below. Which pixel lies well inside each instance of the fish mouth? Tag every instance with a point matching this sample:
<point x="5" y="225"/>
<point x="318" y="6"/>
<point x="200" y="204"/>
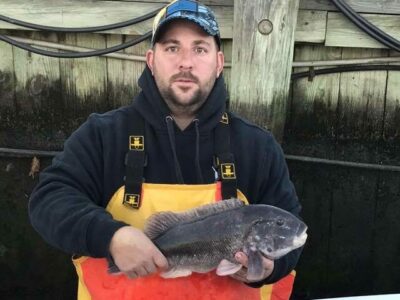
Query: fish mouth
<point x="300" y="240"/>
<point x="301" y="236"/>
<point x="297" y="242"/>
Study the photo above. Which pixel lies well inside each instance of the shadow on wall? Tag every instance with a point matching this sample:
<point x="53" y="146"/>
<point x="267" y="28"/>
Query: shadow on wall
<point x="352" y="248"/>
<point x="30" y="269"/>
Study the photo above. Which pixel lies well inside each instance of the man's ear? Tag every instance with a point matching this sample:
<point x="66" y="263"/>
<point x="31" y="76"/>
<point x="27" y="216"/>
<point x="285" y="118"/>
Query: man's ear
<point x="220" y="62"/>
<point x="150" y="59"/>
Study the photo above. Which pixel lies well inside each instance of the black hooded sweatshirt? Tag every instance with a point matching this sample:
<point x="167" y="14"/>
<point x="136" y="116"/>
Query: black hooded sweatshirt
<point x="67" y="205"/>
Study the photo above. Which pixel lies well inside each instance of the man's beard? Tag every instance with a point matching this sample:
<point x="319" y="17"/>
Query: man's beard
<point x="190" y="105"/>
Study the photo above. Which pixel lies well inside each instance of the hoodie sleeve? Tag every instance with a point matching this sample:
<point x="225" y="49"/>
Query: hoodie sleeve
<point x="65" y="207"/>
<point x="278" y="190"/>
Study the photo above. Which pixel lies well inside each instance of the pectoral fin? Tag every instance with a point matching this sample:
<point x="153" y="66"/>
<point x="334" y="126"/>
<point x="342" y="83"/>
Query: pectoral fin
<point x="174" y="273"/>
<point x="255" y="267"/>
<point x="226" y="267"/>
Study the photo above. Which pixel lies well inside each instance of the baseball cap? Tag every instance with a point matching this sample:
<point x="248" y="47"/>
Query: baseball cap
<point x="187" y="10"/>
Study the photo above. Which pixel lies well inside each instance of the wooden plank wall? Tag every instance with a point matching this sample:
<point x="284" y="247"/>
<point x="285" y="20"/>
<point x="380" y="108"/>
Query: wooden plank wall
<point x="352" y="213"/>
<point x="353" y="117"/>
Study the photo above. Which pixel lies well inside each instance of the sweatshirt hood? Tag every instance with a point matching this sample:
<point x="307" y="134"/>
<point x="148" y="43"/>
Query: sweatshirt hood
<point x="154" y="110"/>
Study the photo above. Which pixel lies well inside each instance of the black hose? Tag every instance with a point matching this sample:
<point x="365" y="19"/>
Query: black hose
<point x="79" y="29"/>
<point x="78" y="54"/>
<point x="342" y="69"/>
<point x="367" y="27"/>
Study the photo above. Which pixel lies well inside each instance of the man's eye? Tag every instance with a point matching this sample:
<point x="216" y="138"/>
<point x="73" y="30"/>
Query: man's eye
<point x="172" y="49"/>
<point x="200" y="50"/>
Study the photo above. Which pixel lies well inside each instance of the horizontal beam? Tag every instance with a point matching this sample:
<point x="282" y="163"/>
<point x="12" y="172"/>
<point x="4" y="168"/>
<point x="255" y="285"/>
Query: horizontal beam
<point x="27" y="153"/>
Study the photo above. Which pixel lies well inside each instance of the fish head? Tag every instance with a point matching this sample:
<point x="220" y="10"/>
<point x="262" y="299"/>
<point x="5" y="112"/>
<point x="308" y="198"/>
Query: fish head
<point x="276" y="234"/>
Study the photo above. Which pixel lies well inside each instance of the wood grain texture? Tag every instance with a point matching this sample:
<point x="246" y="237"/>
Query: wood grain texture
<point x="311" y="26"/>
<point x="364" y="6"/>
<point x="261" y="64"/>
<point x="84" y="80"/>
<point x="314" y="101"/>
<point x="341" y="32"/>
<point x="68" y="13"/>
<point x="361" y="100"/>
<point x="392" y="108"/>
<point x="226" y="48"/>
<point x="38" y="94"/>
<point x="7" y="95"/>
<point x="122" y="75"/>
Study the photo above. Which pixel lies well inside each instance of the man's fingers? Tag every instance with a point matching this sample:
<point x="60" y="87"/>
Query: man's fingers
<point x="241" y="258"/>
<point x="268" y="263"/>
<point x="150" y="268"/>
<point x="131" y="274"/>
<point x="160" y="261"/>
<point x="241" y="274"/>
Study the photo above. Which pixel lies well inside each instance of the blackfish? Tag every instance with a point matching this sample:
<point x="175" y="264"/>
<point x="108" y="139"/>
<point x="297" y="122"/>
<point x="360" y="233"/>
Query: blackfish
<point x="207" y="237"/>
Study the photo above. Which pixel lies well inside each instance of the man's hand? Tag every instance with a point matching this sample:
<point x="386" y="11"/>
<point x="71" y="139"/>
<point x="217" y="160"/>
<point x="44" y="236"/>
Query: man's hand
<point x="135" y="254"/>
<point x="241" y="275"/>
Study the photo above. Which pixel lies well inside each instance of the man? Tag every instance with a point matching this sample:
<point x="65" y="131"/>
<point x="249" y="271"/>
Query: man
<point x="173" y="148"/>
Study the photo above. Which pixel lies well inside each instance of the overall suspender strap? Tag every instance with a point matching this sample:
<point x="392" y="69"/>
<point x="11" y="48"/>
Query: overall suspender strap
<point x="135" y="161"/>
<point x="224" y="160"/>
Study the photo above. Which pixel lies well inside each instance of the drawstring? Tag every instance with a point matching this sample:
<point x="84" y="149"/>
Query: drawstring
<point x="171" y="135"/>
<point x="197" y="158"/>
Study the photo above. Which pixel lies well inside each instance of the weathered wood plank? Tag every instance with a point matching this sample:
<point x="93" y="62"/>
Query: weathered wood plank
<point x="7" y="94"/>
<point x="84" y="80"/>
<point x="226" y="47"/>
<point x="363" y="6"/>
<point x="38" y="94"/>
<point x="314" y="103"/>
<point x="122" y="75"/>
<point x="341" y="32"/>
<point x="311" y="26"/>
<point x="83" y="14"/>
<point x="261" y="64"/>
<point x="68" y="13"/>
<point x="6" y="77"/>
<point x="361" y="100"/>
<point x="392" y="110"/>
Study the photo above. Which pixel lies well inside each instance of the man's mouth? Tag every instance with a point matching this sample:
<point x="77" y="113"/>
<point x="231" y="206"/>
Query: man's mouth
<point x="185" y="80"/>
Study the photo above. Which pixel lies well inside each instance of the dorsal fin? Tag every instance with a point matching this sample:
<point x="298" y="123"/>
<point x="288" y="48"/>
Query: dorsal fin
<point x="160" y="222"/>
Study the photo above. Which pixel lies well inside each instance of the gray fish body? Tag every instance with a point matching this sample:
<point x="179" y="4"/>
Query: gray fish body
<point x="200" y="239"/>
<point x="200" y="245"/>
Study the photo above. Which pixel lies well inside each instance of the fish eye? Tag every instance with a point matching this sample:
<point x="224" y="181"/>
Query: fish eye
<point x="280" y="222"/>
<point x="269" y="249"/>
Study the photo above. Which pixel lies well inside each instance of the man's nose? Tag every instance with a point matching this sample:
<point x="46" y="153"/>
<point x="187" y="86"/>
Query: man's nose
<point x="186" y="60"/>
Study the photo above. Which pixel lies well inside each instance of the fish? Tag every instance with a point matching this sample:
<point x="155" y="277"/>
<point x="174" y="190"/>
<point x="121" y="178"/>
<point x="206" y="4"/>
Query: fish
<point x="207" y="238"/>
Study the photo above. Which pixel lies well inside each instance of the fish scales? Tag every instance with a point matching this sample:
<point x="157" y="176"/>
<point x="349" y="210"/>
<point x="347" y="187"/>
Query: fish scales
<point x="203" y="243"/>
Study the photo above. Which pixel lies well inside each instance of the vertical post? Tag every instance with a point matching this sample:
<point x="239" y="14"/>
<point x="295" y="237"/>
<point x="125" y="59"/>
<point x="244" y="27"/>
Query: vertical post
<point x="263" y="43"/>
